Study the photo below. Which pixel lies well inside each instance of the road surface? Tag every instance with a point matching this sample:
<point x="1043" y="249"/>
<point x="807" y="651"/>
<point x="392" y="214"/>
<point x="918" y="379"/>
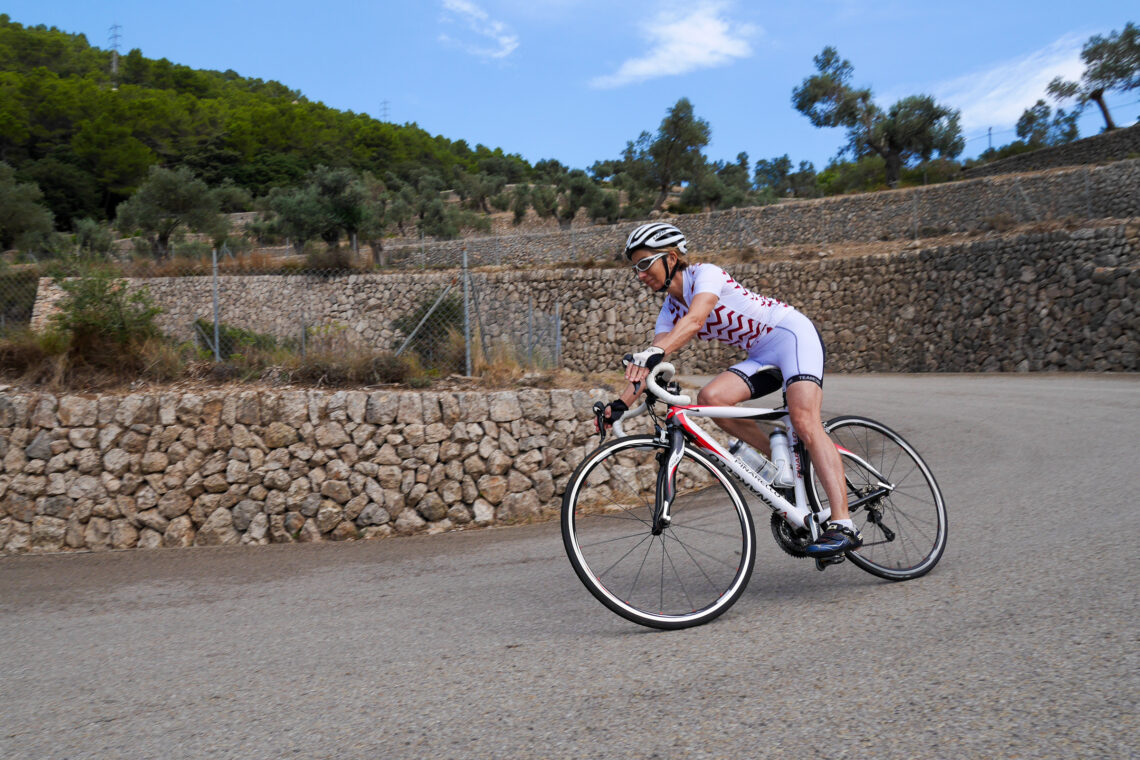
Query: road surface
<point x="483" y="644"/>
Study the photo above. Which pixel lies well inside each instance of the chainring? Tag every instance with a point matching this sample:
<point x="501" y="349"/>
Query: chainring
<point x="791" y="540"/>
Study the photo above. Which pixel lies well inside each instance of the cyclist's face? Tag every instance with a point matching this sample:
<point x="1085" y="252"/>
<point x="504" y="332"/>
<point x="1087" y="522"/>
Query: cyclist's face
<point x="653" y="275"/>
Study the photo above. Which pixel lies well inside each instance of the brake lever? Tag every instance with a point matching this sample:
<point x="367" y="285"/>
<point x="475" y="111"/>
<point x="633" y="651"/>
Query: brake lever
<point x="600" y="421"/>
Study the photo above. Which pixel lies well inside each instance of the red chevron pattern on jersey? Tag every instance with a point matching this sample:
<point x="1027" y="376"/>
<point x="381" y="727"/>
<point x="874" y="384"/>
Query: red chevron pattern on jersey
<point x="732" y="327"/>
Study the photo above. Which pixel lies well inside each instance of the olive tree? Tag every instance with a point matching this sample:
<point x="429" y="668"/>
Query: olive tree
<point x="1111" y="63"/>
<point x="167" y="200"/>
<point x="914" y="127"/>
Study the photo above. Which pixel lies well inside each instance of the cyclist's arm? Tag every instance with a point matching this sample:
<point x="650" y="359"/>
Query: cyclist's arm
<point x="689" y="325"/>
<point x="683" y="331"/>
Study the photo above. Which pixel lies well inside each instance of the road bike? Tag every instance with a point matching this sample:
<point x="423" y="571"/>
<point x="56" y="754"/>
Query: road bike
<point x="657" y="528"/>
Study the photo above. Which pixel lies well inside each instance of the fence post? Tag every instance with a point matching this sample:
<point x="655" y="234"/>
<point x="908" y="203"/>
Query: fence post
<point x="466" y="311"/>
<point x="915" y="214"/>
<point x="557" y="334"/>
<point x="1088" y="195"/>
<point x="217" y="345"/>
<point x="530" y="331"/>
<point x="1025" y="198"/>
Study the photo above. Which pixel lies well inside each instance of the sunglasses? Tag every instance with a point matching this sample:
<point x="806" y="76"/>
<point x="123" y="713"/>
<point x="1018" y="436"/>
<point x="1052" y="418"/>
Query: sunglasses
<point x="644" y="264"/>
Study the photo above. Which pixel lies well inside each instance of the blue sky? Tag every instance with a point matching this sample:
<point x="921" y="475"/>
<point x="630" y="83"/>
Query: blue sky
<point x="576" y="79"/>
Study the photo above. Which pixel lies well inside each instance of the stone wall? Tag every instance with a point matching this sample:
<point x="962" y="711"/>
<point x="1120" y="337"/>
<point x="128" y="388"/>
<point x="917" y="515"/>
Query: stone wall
<point x="1061" y="300"/>
<point x="1111" y="191"/>
<point x="1117" y="145"/>
<point x="226" y="467"/>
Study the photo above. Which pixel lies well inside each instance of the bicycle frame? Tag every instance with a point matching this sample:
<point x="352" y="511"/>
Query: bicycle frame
<point x="797" y="514"/>
<point x="680" y="428"/>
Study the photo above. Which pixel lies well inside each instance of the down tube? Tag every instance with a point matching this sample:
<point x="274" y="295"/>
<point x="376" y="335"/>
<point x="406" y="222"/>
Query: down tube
<point x="792" y="513"/>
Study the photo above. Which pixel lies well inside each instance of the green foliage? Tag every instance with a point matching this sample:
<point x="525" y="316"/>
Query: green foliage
<point x="520" y="201"/>
<point x="23" y="221"/>
<point x="544" y="198"/>
<point x="232" y="197"/>
<point x="672" y="156"/>
<point x="1112" y="63"/>
<point x="60" y="111"/>
<point x="235" y="340"/>
<point x="864" y="175"/>
<point x="18" y="296"/>
<point x="168" y="200"/>
<point x="106" y="321"/>
<point x="605" y="208"/>
<point x="1039" y="126"/>
<point x="92" y="239"/>
<point x="775" y="179"/>
<point x="915" y="127"/>
<point x="576" y="190"/>
<point x="931" y="172"/>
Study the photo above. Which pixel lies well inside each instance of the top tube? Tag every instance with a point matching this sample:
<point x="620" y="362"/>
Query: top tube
<point x="663" y="373"/>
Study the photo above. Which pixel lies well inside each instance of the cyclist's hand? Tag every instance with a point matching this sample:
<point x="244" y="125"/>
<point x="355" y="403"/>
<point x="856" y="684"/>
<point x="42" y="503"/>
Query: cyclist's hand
<point x="609" y="414"/>
<point x="639" y="365"/>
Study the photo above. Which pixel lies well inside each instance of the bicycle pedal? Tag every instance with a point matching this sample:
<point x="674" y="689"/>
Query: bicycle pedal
<point x="821" y="563"/>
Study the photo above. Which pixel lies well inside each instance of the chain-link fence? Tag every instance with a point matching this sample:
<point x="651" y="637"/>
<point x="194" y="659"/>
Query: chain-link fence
<point x="254" y="313"/>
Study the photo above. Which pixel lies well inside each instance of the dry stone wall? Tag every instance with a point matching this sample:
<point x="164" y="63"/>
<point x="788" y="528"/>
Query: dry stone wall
<point x="1060" y="300"/>
<point x="1097" y="192"/>
<point x="1118" y="145"/>
<point x="227" y="467"/>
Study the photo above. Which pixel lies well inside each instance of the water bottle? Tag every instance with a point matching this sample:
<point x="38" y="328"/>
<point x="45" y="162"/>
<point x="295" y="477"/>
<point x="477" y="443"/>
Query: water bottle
<point x="782" y="459"/>
<point x="754" y="459"/>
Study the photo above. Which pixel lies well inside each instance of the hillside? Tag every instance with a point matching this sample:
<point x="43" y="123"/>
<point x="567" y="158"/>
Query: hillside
<point x="87" y="139"/>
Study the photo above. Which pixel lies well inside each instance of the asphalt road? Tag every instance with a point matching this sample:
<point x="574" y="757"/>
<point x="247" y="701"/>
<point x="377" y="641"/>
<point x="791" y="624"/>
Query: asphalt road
<point x="1021" y="643"/>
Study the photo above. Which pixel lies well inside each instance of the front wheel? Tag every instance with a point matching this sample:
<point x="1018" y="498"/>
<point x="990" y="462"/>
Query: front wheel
<point x="689" y="573"/>
<point x="895" y="502"/>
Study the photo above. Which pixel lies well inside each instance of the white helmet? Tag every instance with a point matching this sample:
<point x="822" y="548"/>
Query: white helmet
<point x="655" y="235"/>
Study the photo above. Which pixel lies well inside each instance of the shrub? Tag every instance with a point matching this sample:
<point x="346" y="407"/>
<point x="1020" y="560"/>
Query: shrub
<point x="334" y="259"/>
<point x="106" y="322"/>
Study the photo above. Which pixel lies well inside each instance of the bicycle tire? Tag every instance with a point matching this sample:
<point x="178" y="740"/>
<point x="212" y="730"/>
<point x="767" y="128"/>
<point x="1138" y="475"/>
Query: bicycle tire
<point x="911" y="534"/>
<point x="688" y="575"/>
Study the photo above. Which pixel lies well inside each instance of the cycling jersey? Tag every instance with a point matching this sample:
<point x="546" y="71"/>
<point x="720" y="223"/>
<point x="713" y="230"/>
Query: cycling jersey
<point x="772" y="332"/>
<point x="740" y="318"/>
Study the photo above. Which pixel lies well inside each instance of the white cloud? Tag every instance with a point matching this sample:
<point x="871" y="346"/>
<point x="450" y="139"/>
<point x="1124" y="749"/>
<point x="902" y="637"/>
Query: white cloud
<point x="996" y="97"/>
<point x="492" y="39"/>
<point x="683" y="39"/>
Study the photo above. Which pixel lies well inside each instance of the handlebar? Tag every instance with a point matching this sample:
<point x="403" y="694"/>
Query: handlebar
<point x="665" y="372"/>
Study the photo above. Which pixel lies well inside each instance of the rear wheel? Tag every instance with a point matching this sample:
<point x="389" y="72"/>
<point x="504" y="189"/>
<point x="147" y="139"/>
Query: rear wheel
<point x="690" y="573"/>
<point x="895" y="502"/>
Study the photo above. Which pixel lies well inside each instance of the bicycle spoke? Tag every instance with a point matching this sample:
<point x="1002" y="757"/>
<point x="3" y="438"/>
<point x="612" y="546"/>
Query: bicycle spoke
<point x="686" y="575"/>
<point x="912" y="511"/>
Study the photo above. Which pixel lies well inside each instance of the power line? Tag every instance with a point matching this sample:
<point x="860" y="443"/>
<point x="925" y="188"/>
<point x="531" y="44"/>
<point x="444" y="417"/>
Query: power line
<point x="114" y="38"/>
<point x="990" y="132"/>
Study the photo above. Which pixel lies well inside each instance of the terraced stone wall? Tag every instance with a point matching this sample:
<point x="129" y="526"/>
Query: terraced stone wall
<point x="148" y="471"/>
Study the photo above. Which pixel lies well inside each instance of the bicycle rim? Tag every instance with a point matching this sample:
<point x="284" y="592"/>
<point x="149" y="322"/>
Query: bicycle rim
<point x="903" y="525"/>
<point x="690" y="573"/>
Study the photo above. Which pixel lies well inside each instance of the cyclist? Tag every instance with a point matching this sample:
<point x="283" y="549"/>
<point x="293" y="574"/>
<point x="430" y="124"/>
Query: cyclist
<point x="703" y="301"/>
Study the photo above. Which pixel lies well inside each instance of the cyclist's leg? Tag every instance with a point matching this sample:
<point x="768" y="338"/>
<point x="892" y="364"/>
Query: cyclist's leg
<point x="729" y="388"/>
<point x="805" y="400"/>
<point x="796" y="347"/>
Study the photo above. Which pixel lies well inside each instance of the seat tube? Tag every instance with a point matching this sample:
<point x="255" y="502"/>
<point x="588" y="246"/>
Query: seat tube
<point x="813" y="520"/>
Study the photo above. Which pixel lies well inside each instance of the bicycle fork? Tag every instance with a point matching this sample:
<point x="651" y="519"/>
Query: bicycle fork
<point x="670" y="460"/>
